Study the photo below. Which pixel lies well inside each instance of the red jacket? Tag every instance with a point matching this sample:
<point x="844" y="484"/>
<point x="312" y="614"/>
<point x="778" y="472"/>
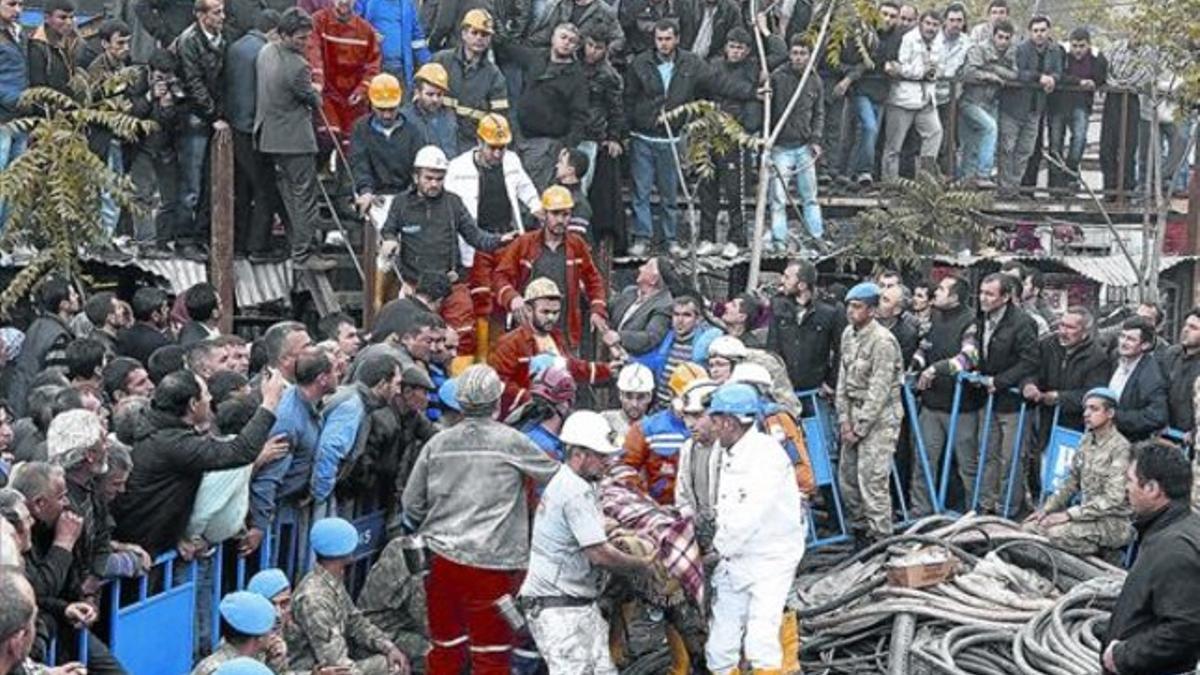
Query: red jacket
<point x="510" y="358"/>
<point x="344" y="57"/>
<point x="516" y="264"/>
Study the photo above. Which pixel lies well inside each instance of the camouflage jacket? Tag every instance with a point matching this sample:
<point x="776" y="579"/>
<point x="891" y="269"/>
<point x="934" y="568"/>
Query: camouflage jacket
<point x="328" y="624"/>
<point x="868" y="390"/>
<point x="1098" y="476"/>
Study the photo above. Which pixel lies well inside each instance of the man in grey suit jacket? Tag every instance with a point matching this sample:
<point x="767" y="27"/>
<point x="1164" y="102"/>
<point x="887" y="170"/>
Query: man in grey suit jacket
<point x="283" y="129"/>
<point x="641" y="314"/>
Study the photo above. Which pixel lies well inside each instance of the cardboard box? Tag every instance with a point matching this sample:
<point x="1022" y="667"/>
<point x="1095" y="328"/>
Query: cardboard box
<point x="924" y="567"/>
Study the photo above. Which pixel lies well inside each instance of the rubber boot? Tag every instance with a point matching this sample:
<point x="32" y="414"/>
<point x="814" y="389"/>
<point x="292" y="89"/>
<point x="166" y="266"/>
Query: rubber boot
<point x="681" y="663"/>
<point x="789" y="641"/>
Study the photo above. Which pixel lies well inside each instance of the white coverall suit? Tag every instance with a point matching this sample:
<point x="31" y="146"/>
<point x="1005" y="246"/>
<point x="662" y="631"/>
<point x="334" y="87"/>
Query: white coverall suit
<point x="760" y="537"/>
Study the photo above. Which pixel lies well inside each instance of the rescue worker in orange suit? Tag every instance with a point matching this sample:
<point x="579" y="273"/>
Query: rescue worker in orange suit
<point x="344" y="54"/>
<point x="539" y="334"/>
<point x="653" y="443"/>
<point x="557" y="254"/>
<point x="493" y="185"/>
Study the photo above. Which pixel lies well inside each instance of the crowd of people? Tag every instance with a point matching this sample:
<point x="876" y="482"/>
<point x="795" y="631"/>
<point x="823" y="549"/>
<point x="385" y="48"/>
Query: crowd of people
<point x="570" y="93"/>
<point x="135" y="427"/>
<point x="521" y="424"/>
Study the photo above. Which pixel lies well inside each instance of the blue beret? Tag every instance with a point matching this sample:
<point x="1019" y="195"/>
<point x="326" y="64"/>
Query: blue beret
<point x="243" y="665"/>
<point x="269" y="583"/>
<point x="333" y="538"/>
<point x="448" y="394"/>
<point x="865" y="292"/>
<point x="1103" y="392"/>
<point x="248" y="613"/>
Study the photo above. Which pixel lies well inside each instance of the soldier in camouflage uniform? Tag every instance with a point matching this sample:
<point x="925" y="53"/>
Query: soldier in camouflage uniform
<point x="247" y="629"/>
<point x="868" y="408"/>
<point x="330" y="630"/>
<point x="393" y="599"/>
<point x="1101" y="519"/>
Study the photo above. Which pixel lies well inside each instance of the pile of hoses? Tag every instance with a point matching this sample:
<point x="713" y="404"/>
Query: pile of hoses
<point x="1017" y="605"/>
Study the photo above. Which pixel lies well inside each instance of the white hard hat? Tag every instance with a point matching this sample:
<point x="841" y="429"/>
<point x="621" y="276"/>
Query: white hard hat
<point x="431" y="157"/>
<point x="635" y="378"/>
<point x="729" y="347"/>
<point x="588" y="429"/>
<point x="751" y="373"/>
<point x="695" y="397"/>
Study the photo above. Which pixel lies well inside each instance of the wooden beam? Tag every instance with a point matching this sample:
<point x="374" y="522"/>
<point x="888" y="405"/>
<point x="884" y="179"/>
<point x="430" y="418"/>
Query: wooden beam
<point x="371" y="271"/>
<point x="220" y="272"/>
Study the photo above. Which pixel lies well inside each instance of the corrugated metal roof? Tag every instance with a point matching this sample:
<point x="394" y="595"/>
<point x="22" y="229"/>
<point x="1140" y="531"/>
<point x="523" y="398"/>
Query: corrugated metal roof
<point x="255" y="284"/>
<point x="1110" y="270"/>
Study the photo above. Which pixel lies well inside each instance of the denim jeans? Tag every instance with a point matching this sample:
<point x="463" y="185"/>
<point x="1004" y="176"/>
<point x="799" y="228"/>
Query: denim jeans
<point x="193" y="153"/>
<point x="796" y="162"/>
<point x="653" y="163"/>
<point x="1018" y="141"/>
<point x="1076" y="120"/>
<point x="869" y="114"/>
<point x="110" y="210"/>
<point x="977" y="135"/>
<point x="591" y="149"/>
<point x="12" y="144"/>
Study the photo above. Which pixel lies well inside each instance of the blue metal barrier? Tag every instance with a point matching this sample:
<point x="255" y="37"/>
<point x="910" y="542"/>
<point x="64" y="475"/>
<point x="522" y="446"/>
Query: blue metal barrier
<point x="1056" y="460"/>
<point x="164" y="620"/>
<point x="821" y="443"/>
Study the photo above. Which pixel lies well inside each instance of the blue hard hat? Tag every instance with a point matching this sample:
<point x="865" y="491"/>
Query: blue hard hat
<point x="865" y="292"/>
<point x="448" y="394"/>
<point x="248" y="613"/>
<point x="734" y="399"/>
<point x="1103" y="392"/>
<point x="333" y="538"/>
<point x="544" y="361"/>
<point x="243" y="665"/>
<point x="269" y="583"/>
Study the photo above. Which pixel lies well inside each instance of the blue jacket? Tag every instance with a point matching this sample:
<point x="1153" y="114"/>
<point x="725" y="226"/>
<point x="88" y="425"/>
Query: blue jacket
<point x="440" y="129"/>
<point x="342" y="438"/>
<point x="14" y="74"/>
<point x="403" y="40"/>
<point x="289" y="475"/>
<point x="656" y="359"/>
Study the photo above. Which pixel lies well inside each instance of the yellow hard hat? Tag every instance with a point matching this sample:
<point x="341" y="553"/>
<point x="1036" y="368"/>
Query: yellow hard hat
<point x="494" y="130"/>
<point x="480" y="20"/>
<point x="385" y="91"/>
<point x="434" y="74"/>
<point x="683" y="375"/>
<point x="557" y="198"/>
<point x="542" y="288"/>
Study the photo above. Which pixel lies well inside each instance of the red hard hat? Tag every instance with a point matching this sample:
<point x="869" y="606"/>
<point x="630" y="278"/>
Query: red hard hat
<point x="555" y="385"/>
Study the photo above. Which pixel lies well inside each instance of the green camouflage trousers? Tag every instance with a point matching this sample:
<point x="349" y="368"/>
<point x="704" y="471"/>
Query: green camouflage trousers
<point x="863" y="472"/>
<point x="1087" y="537"/>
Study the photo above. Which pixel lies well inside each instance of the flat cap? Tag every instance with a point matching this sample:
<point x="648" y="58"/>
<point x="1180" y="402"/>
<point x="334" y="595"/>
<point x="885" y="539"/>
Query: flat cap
<point x="415" y="376"/>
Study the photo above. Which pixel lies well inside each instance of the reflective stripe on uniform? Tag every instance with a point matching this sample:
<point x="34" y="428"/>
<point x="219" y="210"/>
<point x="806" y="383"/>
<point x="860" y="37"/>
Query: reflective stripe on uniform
<point x="454" y="642"/>
<point x="491" y="649"/>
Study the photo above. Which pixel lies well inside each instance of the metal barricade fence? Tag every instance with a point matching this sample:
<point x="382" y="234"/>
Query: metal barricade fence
<point x="1008" y="478"/>
<point x="152" y="620"/>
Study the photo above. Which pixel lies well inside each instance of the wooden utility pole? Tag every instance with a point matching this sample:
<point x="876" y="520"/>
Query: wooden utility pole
<point x="220" y="262"/>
